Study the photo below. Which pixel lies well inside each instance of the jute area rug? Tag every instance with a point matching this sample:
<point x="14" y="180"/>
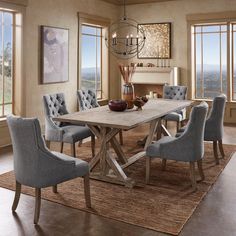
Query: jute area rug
<point x="165" y="205"/>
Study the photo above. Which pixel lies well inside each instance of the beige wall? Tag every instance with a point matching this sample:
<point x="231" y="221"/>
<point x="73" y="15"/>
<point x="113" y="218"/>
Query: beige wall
<point x="176" y="12"/>
<point x="59" y="13"/>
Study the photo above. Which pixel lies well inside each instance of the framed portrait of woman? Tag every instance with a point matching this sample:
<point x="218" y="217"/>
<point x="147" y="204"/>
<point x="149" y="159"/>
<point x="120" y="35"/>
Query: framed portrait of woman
<point x="54" y="55"/>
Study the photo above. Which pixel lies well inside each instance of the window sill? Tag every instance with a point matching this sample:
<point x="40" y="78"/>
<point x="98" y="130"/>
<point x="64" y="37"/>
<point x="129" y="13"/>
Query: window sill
<point x="3" y="122"/>
<point x="103" y="102"/>
<point x="210" y="100"/>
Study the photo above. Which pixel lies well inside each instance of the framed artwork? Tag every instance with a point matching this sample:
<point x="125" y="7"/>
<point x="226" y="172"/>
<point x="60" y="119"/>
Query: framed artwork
<point x="158" y="41"/>
<point x="54" y="55"/>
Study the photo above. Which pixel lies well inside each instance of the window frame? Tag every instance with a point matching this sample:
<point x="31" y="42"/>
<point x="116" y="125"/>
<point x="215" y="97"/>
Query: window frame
<point x="233" y="57"/>
<point x="104" y="23"/>
<point x="101" y="51"/>
<point x="194" y="34"/>
<point x="204" y="18"/>
<point x="13" y="25"/>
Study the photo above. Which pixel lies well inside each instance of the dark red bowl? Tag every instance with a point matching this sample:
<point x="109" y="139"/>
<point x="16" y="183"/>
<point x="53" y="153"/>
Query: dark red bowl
<point x="117" y="105"/>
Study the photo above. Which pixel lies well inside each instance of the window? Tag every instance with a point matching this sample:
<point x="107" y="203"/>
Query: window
<point x="91" y="59"/>
<point x="210" y="54"/>
<point x="214" y="60"/>
<point x="234" y="61"/>
<point x="6" y="63"/>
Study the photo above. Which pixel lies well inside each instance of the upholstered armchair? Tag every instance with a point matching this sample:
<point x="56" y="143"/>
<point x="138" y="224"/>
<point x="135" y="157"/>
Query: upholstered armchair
<point x="54" y="106"/>
<point x="37" y="167"/>
<point x="87" y="99"/>
<point x="176" y="93"/>
<point x="214" y="126"/>
<point x="189" y="147"/>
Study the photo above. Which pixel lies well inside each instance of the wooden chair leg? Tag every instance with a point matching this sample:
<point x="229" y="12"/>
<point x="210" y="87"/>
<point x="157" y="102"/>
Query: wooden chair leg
<point x="182" y="123"/>
<point x="87" y="191"/>
<point x="215" y="152"/>
<point x="166" y="123"/>
<point x="199" y="164"/>
<point x="163" y="164"/>
<point x="221" y="148"/>
<point x="54" y="189"/>
<point x="62" y="146"/>
<point x="48" y="144"/>
<point x="193" y="176"/>
<point x="148" y="168"/>
<point x="121" y="137"/>
<point x="37" y="205"/>
<point x="93" y="145"/>
<point x="177" y="126"/>
<point x="73" y="151"/>
<point x="17" y="196"/>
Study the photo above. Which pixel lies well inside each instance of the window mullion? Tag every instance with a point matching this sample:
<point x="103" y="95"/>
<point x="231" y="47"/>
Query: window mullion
<point x="96" y="64"/>
<point x="202" y="78"/>
<point x="228" y="61"/>
<point x="220" y="47"/>
<point x="3" y="75"/>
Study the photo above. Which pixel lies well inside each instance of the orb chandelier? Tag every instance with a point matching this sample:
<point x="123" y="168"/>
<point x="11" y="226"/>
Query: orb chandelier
<point x="125" y="38"/>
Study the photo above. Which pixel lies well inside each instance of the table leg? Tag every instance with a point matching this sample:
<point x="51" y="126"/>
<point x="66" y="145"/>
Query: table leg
<point x="154" y="127"/>
<point x="106" y="136"/>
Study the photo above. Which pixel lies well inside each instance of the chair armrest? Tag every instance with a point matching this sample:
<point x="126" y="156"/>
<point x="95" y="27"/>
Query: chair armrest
<point x="52" y="131"/>
<point x="181" y="148"/>
<point x="57" y="157"/>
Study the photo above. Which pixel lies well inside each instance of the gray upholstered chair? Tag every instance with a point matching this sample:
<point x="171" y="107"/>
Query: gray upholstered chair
<point x="176" y="93"/>
<point x="54" y="105"/>
<point x="87" y="99"/>
<point x="214" y="126"/>
<point x="189" y="147"/>
<point x="37" y="167"/>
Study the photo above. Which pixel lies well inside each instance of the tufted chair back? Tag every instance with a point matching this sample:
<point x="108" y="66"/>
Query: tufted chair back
<point x="54" y="105"/>
<point x="87" y="99"/>
<point x="174" y="92"/>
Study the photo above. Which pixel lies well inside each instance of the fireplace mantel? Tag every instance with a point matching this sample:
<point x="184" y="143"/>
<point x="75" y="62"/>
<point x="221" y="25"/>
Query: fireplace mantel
<point x="146" y="79"/>
<point x="156" y="75"/>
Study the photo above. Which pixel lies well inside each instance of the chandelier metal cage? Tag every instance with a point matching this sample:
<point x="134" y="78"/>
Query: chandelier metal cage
<point x="125" y="38"/>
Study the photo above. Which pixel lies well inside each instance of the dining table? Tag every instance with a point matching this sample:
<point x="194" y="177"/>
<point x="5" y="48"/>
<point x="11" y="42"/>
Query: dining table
<point x="106" y="124"/>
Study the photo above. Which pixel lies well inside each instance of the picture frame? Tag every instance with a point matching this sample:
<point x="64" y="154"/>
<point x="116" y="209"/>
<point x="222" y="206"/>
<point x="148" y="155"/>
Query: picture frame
<point x="54" y="54"/>
<point x="158" y="41"/>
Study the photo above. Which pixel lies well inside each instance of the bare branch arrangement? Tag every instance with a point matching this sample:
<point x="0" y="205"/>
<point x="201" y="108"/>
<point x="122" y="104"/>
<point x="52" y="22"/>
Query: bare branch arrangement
<point x="127" y="72"/>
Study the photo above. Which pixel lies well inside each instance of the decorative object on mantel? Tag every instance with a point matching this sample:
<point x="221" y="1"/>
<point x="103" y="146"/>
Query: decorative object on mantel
<point x="124" y="38"/>
<point x="117" y="105"/>
<point x="158" y="41"/>
<point x="55" y="55"/>
<point x="128" y="89"/>
<point x="139" y="102"/>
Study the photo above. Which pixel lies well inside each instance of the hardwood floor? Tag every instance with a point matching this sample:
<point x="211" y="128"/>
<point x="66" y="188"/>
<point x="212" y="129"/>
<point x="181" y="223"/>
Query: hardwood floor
<point x="216" y="215"/>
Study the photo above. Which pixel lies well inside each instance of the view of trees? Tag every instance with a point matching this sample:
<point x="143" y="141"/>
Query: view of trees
<point x="6" y="63"/>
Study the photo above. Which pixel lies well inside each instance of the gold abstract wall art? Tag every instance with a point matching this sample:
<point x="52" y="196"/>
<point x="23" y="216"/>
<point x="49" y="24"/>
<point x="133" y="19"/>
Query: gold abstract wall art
<point x="158" y="41"/>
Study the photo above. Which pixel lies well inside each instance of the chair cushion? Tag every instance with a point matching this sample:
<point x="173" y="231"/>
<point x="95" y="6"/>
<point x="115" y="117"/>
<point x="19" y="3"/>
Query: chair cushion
<point x="153" y="150"/>
<point x="75" y="133"/>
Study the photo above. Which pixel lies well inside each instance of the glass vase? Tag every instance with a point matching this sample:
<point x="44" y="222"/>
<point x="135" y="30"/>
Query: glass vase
<point x="128" y="94"/>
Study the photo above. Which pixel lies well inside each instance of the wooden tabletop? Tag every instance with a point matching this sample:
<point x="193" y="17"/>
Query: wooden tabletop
<point x="127" y="119"/>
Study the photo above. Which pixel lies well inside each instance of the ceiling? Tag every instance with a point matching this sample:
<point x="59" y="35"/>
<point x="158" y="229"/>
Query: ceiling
<point x="130" y="2"/>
